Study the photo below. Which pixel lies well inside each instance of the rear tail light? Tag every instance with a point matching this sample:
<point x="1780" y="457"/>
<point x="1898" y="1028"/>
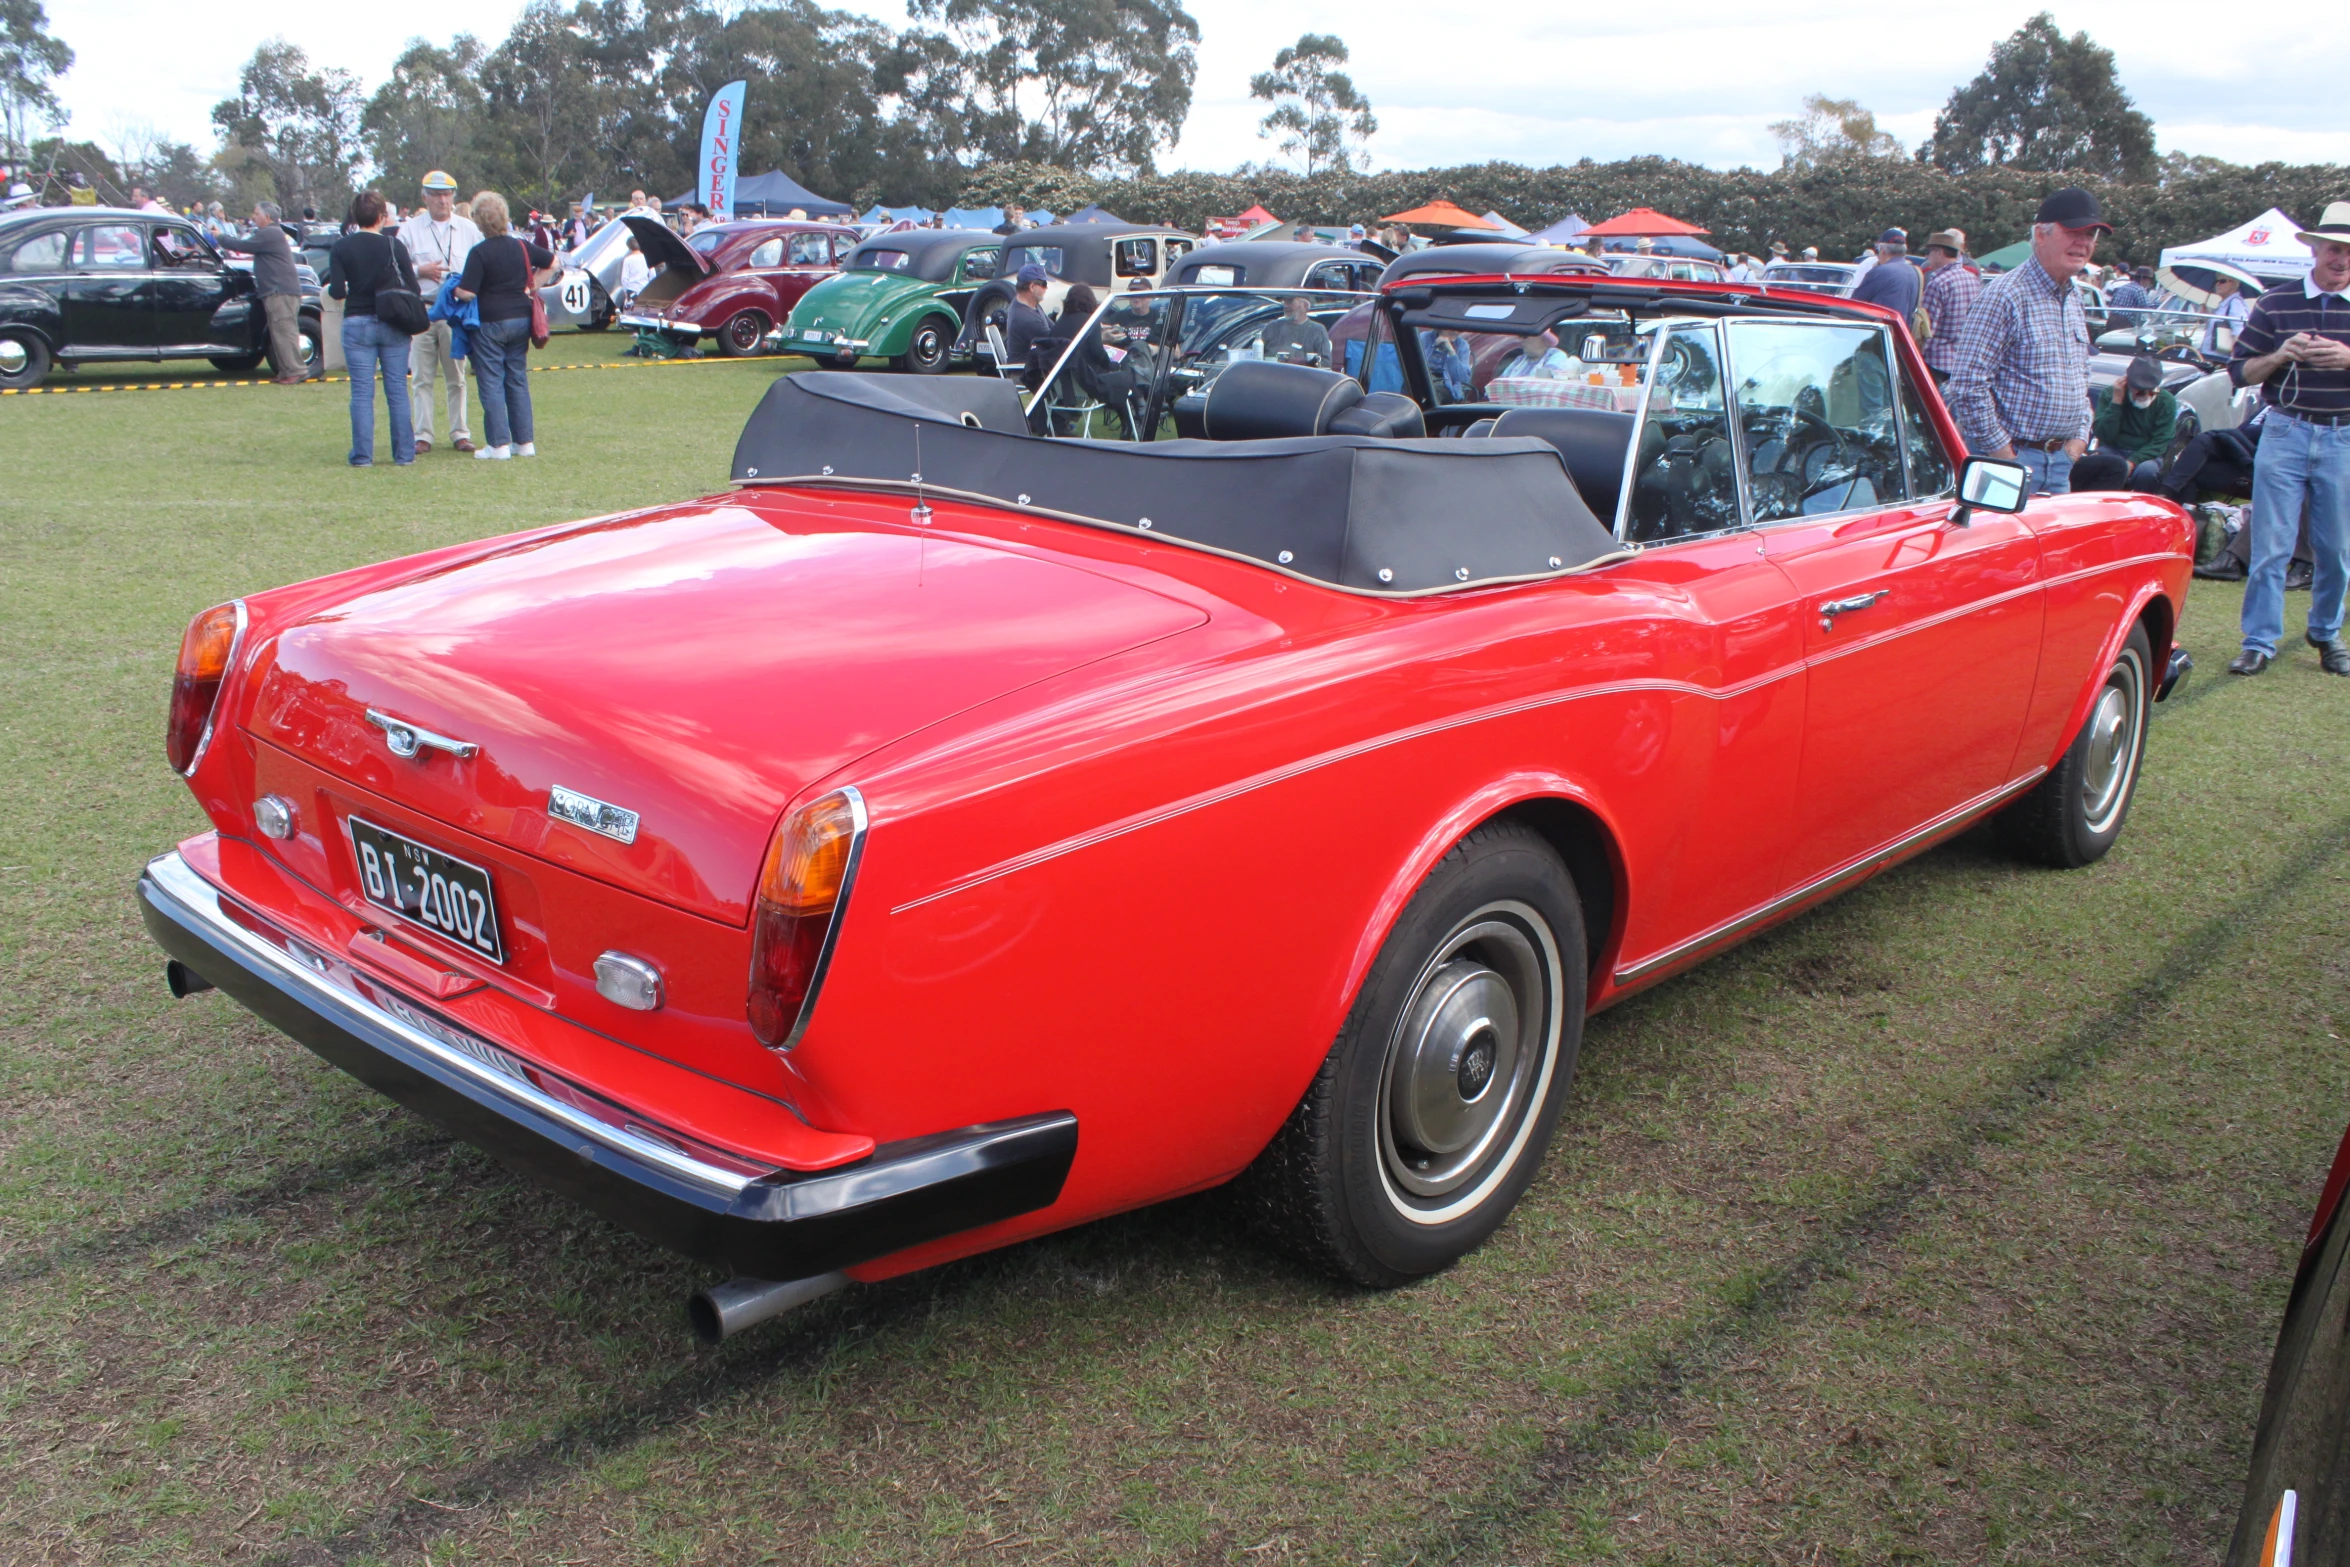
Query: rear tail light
<point x="207" y="653"/>
<point x="805" y="884"/>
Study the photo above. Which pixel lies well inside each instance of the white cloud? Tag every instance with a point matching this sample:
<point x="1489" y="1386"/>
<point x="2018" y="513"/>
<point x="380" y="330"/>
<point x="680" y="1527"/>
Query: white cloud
<point x="1456" y="84"/>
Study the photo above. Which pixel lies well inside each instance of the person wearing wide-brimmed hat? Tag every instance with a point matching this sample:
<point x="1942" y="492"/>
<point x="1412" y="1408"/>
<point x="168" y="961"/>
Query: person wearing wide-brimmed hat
<point x="2295" y="346"/>
<point x="1948" y="299"/>
<point x="2020" y="387"/>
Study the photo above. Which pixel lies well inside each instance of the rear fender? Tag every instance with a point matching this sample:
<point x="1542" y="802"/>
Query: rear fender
<point x="1515" y="790"/>
<point x="710" y="303"/>
<point x="898" y="336"/>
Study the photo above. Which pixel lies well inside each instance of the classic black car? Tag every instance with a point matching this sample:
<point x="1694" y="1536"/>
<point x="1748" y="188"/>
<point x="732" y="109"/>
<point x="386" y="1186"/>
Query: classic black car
<point x="81" y="285"/>
<point x="1266" y="263"/>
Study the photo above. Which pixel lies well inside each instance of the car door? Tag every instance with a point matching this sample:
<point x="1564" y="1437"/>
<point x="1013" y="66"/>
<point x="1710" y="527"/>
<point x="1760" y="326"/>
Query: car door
<point x="1921" y="635"/>
<point x="108" y="298"/>
<point x="190" y="285"/>
<point x="1717" y="641"/>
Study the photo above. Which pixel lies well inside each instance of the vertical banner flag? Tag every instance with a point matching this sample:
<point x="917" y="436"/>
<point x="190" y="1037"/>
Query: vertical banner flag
<point x="720" y="134"/>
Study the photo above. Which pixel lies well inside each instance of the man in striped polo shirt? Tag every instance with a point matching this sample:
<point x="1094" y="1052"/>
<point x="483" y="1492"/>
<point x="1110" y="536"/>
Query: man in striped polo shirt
<point x="2295" y="347"/>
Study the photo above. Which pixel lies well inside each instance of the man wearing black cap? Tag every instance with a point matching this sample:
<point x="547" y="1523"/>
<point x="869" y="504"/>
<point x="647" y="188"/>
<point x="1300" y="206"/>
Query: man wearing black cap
<point x="2295" y="347"/>
<point x="2021" y="386"/>
<point x="2136" y="419"/>
<point x="1892" y="281"/>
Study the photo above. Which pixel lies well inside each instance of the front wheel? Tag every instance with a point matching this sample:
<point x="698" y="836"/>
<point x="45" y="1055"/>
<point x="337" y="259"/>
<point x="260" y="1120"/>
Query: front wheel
<point x="235" y="364"/>
<point x="927" y="350"/>
<point x="24" y="361"/>
<point x="1433" y="1110"/>
<point x="2072" y="816"/>
<point x="743" y="334"/>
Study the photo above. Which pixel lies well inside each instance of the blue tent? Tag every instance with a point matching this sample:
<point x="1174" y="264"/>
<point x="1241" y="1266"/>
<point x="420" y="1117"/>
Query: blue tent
<point x="880" y="215"/>
<point x="1562" y="232"/>
<point x="774" y="194"/>
<point x="1670" y="245"/>
<point x="1095" y="213"/>
<point x="986" y="217"/>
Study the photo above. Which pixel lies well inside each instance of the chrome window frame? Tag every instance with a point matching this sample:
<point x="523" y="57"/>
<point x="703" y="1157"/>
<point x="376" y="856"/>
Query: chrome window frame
<point x="1665" y="326"/>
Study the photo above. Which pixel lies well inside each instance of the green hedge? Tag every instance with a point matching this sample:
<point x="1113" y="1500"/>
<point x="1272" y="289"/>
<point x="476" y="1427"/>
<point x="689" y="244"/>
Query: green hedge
<point x="1839" y="207"/>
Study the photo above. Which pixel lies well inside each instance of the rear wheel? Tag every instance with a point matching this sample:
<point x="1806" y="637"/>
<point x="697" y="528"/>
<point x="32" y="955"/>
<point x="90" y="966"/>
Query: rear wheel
<point x="742" y="333"/>
<point x="24" y="361"/>
<point x="1434" y="1108"/>
<point x="235" y="364"/>
<point x="2072" y="816"/>
<point x="927" y="350"/>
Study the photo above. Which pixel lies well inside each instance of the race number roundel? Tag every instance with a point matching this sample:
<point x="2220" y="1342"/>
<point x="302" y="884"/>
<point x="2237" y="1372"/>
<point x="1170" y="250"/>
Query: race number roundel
<point x="575" y="293"/>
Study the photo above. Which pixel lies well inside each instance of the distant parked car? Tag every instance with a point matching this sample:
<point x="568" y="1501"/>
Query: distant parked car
<point x="899" y="297"/>
<point x="733" y="281"/>
<point x="87" y="285"/>
<point x="1681" y="269"/>
<point x="1264" y="263"/>
<point x="1106" y="257"/>
<point x="1836" y="278"/>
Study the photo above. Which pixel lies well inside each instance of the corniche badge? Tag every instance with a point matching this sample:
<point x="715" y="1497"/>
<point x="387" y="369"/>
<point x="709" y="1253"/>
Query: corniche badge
<point x="568" y="805"/>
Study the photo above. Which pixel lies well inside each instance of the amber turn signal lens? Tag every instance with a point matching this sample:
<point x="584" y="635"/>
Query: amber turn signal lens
<point x="807" y="874"/>
<point x="205" y="652"/>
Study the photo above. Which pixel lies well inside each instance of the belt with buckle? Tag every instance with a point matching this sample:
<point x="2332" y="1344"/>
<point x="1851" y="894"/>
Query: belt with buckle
<point x="2324" y="419"/>
<point x="2055" y="443"/>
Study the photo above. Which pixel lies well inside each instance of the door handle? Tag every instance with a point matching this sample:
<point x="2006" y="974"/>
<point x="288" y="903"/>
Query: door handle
<point x="1834" y="607"/>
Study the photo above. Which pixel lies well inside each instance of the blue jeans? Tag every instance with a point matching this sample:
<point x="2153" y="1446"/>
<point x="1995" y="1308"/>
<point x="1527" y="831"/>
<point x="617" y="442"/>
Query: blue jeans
<point x="2297" y="465"/>
<point x="499" y="351"/>
<point x="2051" y="472"/>
<point x="368" y="343"/>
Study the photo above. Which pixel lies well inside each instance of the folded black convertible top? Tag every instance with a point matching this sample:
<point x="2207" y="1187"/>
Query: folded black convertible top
<point x="1358" y="512"/>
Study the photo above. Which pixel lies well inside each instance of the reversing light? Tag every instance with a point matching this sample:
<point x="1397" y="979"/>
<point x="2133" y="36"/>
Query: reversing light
<point x="206" y="654"/>
<point x="803" y="887"/>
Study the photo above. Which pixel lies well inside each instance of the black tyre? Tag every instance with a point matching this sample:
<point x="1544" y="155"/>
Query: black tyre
<point x="2072" y="816"/>
<point x="1434" y="1108"/>
<point x="236" y="364"/>
<point x="310" y="343"/>
<point x="928" y="349"/>
<point x="742" y="333"/>
<point x="24" y="361"/>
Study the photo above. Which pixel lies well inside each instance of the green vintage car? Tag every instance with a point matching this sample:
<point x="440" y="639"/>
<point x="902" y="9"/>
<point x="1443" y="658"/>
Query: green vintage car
<point x="898" y="297"/>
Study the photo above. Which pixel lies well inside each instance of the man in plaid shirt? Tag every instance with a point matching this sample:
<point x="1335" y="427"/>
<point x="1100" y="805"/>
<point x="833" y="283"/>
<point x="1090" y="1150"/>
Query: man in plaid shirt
<point x="1951" y="289"/>
<point x="2020" y="389"/>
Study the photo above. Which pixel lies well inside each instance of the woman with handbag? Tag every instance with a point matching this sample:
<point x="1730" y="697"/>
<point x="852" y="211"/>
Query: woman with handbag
<point x="370" y="271"/>
<point x="503" y="274"/>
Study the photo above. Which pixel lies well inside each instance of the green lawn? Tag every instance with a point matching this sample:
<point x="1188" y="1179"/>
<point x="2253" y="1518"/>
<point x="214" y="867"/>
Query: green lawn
<point x="1949" y="1223"/>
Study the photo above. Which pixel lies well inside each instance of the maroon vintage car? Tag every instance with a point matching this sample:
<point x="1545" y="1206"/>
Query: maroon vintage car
<point x="732" y="281"/>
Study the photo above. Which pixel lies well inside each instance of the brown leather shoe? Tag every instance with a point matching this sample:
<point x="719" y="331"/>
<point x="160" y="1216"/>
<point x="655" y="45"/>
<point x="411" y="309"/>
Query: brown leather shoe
<point x="423" y="444"/>
<point x="463" y="444"/>
<point x="2249" y="662"/>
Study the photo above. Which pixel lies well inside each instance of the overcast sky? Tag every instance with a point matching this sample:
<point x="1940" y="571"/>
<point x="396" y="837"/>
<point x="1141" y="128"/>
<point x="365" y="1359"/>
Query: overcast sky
<point x="1450" y="83"/>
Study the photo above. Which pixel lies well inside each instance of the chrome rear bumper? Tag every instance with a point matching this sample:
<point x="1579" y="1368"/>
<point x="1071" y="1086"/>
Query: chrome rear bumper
<point x="704" y="1202"/>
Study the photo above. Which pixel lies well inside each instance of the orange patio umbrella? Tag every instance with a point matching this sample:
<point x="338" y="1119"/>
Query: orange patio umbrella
<point x="1638" y="223"/>
<point x="1442" y="214"/>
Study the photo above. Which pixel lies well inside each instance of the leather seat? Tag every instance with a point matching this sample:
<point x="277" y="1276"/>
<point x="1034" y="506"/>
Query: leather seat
<point x="1594" y="441"/>
<point x="1388" y="415"/>
<point x="1264" y="400"/>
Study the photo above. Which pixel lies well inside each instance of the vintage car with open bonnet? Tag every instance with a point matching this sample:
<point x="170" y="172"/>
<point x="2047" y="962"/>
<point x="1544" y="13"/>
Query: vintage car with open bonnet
<point x="735" y="282"/>
<point x="954" y="831"/>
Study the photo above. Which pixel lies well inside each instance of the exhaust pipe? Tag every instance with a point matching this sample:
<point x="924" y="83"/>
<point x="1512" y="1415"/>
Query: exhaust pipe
<point x="723" y="1310"/>
<point x="183" y="980"/>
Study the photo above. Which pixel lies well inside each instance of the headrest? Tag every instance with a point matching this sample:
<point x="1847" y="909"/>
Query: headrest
<point x="1390" y="415"/>
<point x="1264" y="399"/>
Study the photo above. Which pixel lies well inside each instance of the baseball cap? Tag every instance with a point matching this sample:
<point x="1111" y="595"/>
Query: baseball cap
<point x="439" y="179"/>
<point x="2073" y="208"/>
<point x="1032" y="274"/>
<point x="2143" y="375"/>
<point x="1894" y="237"/>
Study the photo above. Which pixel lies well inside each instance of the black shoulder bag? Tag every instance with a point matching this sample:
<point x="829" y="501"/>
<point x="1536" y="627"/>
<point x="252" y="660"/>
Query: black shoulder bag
<point x="396" y="304"/>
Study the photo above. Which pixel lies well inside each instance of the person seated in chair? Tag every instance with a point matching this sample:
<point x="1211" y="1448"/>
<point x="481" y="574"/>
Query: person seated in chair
<point x="2135" y="421"/>
<point x="1541" y="359"/>
<point x="1027" y="321"/>
<point x="1296" y="339"/>
<point x="1096" y="369"/>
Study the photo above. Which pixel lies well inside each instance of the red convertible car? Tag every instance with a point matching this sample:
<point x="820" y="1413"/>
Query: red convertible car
<point x="731" y="281"/>
<point x="954" y="833"/>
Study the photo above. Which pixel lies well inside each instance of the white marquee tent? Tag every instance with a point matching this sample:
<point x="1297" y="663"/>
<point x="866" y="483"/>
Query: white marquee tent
<point x="2264" y="247"/>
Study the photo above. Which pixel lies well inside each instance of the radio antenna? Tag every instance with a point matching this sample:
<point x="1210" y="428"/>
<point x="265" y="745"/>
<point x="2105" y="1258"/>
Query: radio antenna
<point x="921" y="505"/>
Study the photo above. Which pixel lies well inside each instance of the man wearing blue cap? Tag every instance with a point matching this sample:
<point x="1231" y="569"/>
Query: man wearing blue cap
<point x="1028" y="321"/>
<point x="1892" y="282"/>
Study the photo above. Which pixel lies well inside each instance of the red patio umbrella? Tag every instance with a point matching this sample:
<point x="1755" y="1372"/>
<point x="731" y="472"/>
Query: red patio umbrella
<point x="1640" y="221"/>
<point x="1442" y="214"/>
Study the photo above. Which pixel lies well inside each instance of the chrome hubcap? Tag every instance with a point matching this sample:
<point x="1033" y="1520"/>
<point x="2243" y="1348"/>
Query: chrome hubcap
<point x="13" y="357"/>
<point x="2113" y="744"/>
<point x="1469" y="1061"/>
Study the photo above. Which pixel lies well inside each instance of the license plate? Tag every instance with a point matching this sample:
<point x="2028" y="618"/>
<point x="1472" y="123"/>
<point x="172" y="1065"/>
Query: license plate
<point x="444" y="894"/>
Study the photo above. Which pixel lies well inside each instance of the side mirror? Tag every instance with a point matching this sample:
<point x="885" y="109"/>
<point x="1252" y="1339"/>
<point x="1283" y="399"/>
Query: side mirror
<point x="1991" y="484"/>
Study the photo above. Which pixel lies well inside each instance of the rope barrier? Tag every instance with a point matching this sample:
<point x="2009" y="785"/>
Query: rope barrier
<point x="331" y="380"/>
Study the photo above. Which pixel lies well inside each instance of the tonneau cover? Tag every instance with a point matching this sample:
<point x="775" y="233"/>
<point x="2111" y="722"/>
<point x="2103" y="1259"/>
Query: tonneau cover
<point x="1358" y="512"/>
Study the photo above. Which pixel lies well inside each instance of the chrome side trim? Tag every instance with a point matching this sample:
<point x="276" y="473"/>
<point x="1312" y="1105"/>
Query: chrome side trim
<point x="840" y="909"/>
<point x="228" y="673"/>
<point x="200" y="903"/>
<point x="1852" y="870"/>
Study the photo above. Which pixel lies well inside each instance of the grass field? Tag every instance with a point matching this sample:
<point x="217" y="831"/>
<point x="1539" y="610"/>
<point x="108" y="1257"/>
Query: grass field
<point x="1949" y="1223"/>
